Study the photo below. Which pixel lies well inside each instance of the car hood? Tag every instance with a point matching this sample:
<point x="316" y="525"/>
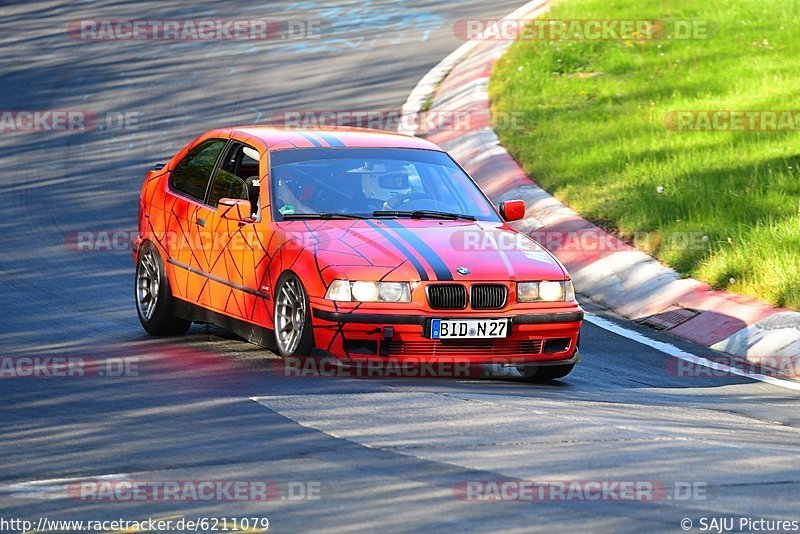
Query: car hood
<point x="406" y="249"/>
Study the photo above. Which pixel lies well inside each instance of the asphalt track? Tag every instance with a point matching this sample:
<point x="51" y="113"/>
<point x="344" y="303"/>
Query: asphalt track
<point x="386" y="453"/>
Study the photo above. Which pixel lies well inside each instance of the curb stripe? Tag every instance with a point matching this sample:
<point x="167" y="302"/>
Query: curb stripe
<point x="433" y="259"/>
<point x="423" y="275"/>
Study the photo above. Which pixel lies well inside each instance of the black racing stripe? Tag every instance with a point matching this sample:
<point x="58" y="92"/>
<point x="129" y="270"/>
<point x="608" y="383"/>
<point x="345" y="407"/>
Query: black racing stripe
<point x="402" y="248"/>
<point x="330" y="139"/>
<point x="311" y="139"/>
<point x="433" y="259"/>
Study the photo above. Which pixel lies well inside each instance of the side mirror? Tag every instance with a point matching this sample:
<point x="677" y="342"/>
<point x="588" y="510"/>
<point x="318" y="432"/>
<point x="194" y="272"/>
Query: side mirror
<point x="159" y="166"/>
<point x="512" y="210"/>
<point x="234" y="209"/>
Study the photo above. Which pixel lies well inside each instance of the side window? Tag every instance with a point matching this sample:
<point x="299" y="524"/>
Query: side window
<point x="237" y="176"/>
<point x="191" y="175"/>
<point x="227" y="185"/>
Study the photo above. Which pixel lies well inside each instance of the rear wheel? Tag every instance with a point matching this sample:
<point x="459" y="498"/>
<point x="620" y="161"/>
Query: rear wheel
<point x="292" y="318"/>
<point x="155" y="304"/>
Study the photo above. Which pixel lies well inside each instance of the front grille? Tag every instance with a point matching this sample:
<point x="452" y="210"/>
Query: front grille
<point x="488" y="296"/>
<point x="471" y="347"/>
<point x="447" y="296"/>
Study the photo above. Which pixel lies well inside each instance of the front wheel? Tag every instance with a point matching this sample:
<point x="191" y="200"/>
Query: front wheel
<point x="155" y="304"/>
<point x="294" y="335"/>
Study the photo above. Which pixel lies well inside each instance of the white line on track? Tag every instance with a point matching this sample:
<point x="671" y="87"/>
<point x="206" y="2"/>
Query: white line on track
<point x="54" y="488"/>
<point x="675" y="352"/>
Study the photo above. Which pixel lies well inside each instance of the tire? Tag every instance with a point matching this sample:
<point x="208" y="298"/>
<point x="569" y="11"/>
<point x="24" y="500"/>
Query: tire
<point x="294" y="334"/>
<point x="545" y="373"/>
<point x="155" y="304"/>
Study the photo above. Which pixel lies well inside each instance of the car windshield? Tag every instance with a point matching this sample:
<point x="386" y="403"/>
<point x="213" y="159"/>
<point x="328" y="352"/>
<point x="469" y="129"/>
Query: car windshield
<point x="373" y="183"/>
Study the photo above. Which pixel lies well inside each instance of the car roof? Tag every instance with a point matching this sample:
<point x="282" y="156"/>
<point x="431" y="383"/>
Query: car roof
<point x="286" y="138"/>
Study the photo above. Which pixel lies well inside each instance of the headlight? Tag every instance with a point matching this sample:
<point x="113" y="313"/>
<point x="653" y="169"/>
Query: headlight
<point x="545" y="291"/>
<point x="365" y="291"/>
<point x="394" y="292"/>
<point x="551" y="291"/>
<point x="347" y="291"/>
<point x="528" y="291"/>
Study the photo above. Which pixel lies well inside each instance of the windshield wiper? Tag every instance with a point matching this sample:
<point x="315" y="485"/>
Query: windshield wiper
<point x="423" y="214"/>
<point x="322" y="216"/>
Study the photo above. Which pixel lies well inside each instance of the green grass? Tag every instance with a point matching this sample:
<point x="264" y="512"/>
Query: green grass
<point x="594" y="135"/>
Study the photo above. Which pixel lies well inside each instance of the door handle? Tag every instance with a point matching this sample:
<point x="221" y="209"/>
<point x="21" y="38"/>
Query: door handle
<point x="201" y="222"/>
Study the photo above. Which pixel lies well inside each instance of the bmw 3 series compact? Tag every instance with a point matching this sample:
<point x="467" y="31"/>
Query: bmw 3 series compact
<point x="353" y="244"/>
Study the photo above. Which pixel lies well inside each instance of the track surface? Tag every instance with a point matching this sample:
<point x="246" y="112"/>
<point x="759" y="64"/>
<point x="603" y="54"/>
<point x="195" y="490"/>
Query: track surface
<point x="206" y="406"/>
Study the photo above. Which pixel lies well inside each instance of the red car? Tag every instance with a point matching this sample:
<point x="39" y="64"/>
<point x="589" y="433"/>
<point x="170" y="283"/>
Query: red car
<point x="345" y="243"/>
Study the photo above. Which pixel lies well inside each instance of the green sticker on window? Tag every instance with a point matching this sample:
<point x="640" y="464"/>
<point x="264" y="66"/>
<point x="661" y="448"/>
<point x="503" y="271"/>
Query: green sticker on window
<point x="288" y="209"/>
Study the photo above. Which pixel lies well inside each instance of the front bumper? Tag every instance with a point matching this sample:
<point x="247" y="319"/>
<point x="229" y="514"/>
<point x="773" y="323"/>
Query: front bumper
<point x="537" y="337"/>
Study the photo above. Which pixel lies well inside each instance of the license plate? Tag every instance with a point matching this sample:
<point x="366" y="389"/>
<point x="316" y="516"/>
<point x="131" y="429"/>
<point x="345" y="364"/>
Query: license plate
<point x="469" y="328"/>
